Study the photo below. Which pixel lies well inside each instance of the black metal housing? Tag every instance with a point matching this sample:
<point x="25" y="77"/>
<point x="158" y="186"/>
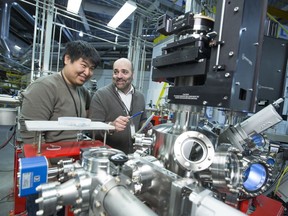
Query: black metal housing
<point x="229" y="68"/>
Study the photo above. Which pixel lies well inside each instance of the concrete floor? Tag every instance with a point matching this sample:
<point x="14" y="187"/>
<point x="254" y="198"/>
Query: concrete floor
<point x="6" y="171"/>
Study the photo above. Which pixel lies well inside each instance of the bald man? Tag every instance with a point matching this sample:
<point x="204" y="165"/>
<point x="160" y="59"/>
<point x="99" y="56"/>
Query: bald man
<point x="116" y="103"/>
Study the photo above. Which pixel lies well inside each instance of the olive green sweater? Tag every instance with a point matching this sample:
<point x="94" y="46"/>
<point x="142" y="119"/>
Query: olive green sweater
<point x="48" y="98"/>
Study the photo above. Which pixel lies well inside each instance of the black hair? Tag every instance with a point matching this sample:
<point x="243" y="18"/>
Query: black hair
<point x="81" y="49"/>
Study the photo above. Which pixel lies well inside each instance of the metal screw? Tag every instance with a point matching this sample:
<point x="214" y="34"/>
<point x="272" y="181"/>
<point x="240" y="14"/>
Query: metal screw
<point x="79" y="201"/>
<point x="58" y="207"/>
<point x="40" y="212"/>
<point x="104" y="189"/>
<point x="200" y="136"/>
<point x="77" y="211"/>
<point x="227" y="75"/>
<point x="243" y="29"/>
<point x="231" y="53"/>
<point x="97" y="204"/>
<point x="128" y="182"/>
<point x="117" y="179"/>
<point x="236" y="9"/>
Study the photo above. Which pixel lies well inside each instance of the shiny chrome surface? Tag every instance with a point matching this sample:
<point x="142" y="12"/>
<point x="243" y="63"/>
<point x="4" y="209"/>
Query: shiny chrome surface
<point x="8" y="116"/>
<point x="95" y="160"/>
<point x="193" y="151"/>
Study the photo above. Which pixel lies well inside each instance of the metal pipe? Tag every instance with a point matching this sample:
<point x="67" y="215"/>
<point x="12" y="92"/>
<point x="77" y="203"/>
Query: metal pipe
<point x="34" y="41"/>
<point x="48" y="34"/>
<point x="53" y="172"/>
<point x="142" y="69"/>
<point x="119" y="201"/>
<point x="39" y="142"/>
<point x="220" y="31"/>
<point x="53" y="39"/>
<point x="59" y="47"/>
<point x="5" y="20"/>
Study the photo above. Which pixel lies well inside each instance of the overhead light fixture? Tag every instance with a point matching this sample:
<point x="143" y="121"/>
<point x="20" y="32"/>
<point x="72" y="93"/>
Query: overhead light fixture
<point x="125" y="11"/>
<point x="74" y="6"/>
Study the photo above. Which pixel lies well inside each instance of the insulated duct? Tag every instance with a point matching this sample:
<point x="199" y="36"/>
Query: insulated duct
<point x="5" y="23"/>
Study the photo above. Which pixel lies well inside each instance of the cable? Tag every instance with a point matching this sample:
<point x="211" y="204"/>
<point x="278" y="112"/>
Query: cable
<point x="9" y="139"/>
<point x="6" y="170"/>
<point x="280" y="179"/>
<point x="273" y="19"/>
<point x="8" y="195"/>
<point x="271" y="188"/>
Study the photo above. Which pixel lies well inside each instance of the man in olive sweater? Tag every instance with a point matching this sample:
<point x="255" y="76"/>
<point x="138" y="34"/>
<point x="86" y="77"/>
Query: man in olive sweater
<point x="60" y="94"/>
<point x="57" y="95"/>
<point x="115" y="104"/>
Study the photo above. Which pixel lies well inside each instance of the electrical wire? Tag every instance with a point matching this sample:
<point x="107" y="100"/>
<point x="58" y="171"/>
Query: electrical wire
<point x="6" y="197"/>
<point x="9" y="139"/>
<point x="280" y="179"/>
<point x="275" y="20"/>
<point x="271" y="188"/>
<point x="6" y="170"/>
